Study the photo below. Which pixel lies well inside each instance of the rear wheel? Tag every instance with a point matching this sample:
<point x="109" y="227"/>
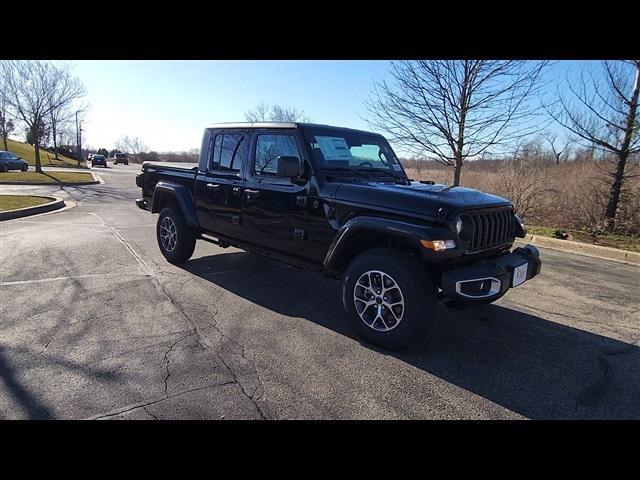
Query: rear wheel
<point x="176" y="239"/>
<point x="389" y="297"/>
<point x="25" y="168"/>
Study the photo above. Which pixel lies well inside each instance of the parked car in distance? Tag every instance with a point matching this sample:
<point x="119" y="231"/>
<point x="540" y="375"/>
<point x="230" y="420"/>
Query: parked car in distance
<point x="338" y="201"/>
<point x="98" y="160"/>
<point x="10" y="161"/>
<point x="120" y="158"/>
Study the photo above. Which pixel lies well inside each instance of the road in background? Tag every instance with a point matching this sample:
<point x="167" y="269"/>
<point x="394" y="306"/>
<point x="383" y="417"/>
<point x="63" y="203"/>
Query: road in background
<point x="94" y="323"/>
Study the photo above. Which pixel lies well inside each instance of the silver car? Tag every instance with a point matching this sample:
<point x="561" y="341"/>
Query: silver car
<point x="10" y="161"/>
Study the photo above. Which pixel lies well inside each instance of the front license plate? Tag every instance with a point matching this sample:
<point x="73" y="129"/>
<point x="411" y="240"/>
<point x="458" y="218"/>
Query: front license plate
<point x="519" y="275"/>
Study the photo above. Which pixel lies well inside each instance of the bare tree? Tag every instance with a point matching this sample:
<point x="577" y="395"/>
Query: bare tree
<point x="131" y="145"/>
<point x="602" y="112"/>
<point x="451" y="110"/>
<point x="275" y="113"/>
<point x="558" y="146"/>
<point x="66" y="90"/>
<point x="34" y="89"/>
<point x="7" y="126"/>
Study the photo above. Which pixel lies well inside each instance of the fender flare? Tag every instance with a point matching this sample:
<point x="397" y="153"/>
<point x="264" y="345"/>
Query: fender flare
<point x="183" y="197"/>
<point x="408" y="231"/>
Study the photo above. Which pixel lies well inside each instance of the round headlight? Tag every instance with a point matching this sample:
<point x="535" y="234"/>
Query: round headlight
<point x="464" y="227"/>
<point x="459" y="225"/>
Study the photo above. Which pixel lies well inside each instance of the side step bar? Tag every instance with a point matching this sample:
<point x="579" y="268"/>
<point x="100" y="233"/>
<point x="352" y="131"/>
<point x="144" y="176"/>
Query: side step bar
<point x="215" y="241"/>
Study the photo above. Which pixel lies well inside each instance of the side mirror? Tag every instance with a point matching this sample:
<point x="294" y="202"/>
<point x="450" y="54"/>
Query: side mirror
<point x="289" y="166"/>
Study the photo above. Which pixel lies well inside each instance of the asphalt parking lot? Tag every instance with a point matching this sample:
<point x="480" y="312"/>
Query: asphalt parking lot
<point x="94" y="323"/>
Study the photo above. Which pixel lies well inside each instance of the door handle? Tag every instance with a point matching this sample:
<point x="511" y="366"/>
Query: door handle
<point x="251" y="193"/>
<point x="213" y="186"/>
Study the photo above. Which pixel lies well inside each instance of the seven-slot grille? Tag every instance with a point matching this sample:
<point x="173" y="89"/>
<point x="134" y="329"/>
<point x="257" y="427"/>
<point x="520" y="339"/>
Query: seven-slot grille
<point x="491" y="229"/>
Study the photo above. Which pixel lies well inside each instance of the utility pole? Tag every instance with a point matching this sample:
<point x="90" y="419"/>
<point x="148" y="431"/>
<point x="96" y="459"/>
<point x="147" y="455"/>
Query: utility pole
<point x="78" y="139"/>
<point x="80" y="143"/>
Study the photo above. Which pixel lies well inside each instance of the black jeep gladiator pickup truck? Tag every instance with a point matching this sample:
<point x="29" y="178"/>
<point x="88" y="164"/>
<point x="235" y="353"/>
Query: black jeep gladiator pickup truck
<point x="338" y="201"/>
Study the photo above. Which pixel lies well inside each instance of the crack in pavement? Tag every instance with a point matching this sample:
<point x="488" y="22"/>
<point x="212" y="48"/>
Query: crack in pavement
<point x="233" y="373"/>
<point x="126" y="352"/>
<point x="194" y="331"/>
<point x="219" y="352"/>
<point x="136" y="406"/>
<point x="149" y="413"/>
<point x="167" y="361"/>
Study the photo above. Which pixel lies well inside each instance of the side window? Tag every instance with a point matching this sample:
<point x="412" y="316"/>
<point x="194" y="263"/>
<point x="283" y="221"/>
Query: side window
<point x="231" y="152"/>
<point x="226" y="152"/>
<point x="214" y="159"/>
<point x="269" y="148"/>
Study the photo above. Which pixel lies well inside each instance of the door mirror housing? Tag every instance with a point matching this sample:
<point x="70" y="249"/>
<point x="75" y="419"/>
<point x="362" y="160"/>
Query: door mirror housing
<point x="289" y="166"/>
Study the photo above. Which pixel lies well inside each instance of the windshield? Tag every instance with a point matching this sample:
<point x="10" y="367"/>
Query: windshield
<point x="351" y="152"/>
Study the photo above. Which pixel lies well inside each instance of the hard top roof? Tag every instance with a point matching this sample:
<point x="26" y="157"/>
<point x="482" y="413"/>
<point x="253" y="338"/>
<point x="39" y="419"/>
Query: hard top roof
<point x="282" y="125"/>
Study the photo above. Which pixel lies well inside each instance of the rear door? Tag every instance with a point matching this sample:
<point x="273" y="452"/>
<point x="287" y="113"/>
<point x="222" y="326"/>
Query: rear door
<point x="221" y="185"/>
<point x="274" y="209"/>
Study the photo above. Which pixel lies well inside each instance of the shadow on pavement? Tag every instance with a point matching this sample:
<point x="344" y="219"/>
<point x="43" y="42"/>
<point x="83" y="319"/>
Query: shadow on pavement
<point x="29" y="402"/>
<point x="530" y="365"/>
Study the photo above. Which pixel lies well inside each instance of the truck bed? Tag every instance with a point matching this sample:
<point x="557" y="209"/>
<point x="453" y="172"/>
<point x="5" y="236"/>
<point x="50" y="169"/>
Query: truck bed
<point x="178" y="166"/>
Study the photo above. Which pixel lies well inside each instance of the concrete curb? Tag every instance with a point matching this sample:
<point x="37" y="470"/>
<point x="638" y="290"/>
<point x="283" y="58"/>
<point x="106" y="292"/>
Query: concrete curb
<point x="606" y="253"/>
<point x="55" y="204"/>
<point x="61" y="184"/>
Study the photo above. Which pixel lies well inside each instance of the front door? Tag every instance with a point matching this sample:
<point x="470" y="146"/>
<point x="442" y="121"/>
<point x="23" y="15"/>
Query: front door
<point x="274" y="209"/>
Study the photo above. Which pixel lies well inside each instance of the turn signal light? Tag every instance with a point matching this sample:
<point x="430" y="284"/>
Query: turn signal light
<point x="438" y="245"/>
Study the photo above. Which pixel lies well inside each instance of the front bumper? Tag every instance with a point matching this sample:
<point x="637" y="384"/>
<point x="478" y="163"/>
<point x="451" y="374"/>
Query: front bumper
<point x="491" y="278"/>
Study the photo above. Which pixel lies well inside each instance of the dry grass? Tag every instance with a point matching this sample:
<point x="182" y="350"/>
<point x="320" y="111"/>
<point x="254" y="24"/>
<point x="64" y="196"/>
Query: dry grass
<point x="570" y="195"/>
<point x="47" y="177"/>
<point x="13" y="202"/>
<point x="27" y="152"/>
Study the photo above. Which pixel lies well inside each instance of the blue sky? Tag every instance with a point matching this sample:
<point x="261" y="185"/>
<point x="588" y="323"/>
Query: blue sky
<point x="168" y="103"/>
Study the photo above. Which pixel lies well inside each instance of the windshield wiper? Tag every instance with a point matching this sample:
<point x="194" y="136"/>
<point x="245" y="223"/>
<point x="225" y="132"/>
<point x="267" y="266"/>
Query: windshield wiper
<point x="343" y="170"/>
<point x="385" y="171"/>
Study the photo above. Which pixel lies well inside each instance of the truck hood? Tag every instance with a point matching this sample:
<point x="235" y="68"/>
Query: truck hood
<point x="416" y="197"/>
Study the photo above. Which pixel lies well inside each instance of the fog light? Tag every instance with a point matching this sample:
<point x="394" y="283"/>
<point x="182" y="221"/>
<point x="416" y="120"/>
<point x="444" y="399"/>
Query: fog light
<point x="438" y="245"/>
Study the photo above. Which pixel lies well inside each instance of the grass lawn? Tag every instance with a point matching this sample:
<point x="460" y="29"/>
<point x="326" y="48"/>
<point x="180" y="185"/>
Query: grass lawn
<point x="27" y="152"/>
<point x="13" y="202"/>
<point x="615" y="241"/>
<point x="47" y="177"/>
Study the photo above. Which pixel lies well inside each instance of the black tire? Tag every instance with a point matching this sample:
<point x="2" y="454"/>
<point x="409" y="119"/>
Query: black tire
<point x="25" y="168"/>
<point x="185" y="238"/>
<point x="4" y="168"/>
<point x="417" y="291"/>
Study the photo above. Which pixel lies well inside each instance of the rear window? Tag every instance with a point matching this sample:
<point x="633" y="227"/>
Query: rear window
<point x="120" y="155"/>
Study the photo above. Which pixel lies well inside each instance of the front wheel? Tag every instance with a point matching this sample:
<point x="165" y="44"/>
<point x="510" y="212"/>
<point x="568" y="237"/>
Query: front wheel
<point x="389" y="297"/>
<point x="176" y="239"/>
